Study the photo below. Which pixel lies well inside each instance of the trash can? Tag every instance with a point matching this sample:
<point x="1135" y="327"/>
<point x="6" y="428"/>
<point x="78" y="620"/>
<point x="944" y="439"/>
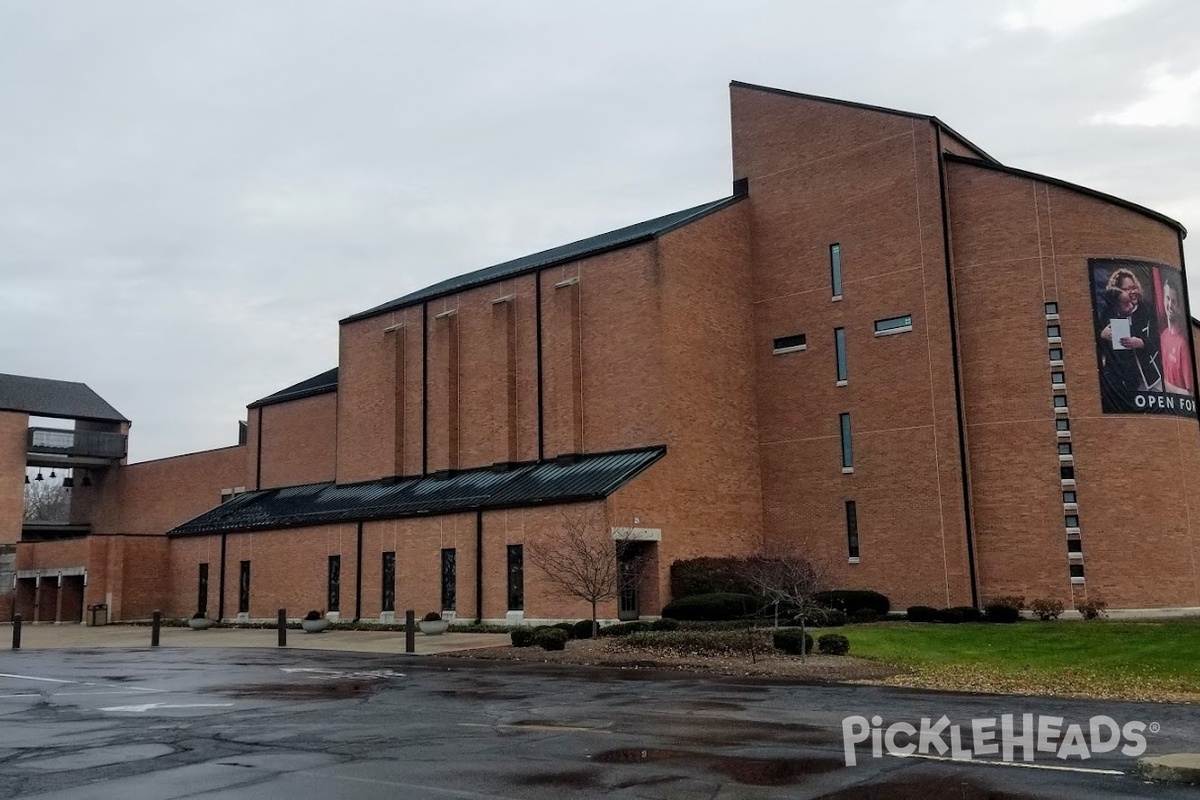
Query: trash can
<point x="98" y="614"/>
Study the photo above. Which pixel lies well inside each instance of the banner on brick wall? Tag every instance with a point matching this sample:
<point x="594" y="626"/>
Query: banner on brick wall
<point x="1142" y="345"/>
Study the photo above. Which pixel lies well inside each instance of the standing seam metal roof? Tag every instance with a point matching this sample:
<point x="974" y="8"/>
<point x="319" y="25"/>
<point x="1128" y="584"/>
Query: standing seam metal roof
<point x="623" y="237"/>
<point x="590" y="477"/>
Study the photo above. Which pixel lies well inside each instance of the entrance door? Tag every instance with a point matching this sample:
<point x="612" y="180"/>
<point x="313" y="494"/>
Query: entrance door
<point x="627" y="593"/>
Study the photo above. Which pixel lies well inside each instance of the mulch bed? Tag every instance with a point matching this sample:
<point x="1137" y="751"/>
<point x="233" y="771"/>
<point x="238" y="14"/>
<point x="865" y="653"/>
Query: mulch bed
<point x="613" y="652"/>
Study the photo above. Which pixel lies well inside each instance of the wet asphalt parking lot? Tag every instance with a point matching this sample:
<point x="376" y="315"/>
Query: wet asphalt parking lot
<point x="225" y="723"/>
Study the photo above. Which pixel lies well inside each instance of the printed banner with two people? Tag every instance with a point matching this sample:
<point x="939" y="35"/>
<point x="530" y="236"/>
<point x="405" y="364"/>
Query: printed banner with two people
<point x="1142" y="338"/>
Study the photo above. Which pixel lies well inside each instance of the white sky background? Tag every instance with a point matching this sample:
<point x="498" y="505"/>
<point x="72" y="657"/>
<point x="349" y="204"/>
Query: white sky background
<point x="192" y="194"/>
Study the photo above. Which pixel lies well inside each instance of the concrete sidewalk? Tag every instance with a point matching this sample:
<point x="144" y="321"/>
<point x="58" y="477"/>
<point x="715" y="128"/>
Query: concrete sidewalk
<point x="78" y="637"/>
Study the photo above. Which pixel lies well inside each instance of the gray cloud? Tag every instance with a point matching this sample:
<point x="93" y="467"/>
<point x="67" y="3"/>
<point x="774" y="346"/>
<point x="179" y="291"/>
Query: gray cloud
<point x="192" y="195"/>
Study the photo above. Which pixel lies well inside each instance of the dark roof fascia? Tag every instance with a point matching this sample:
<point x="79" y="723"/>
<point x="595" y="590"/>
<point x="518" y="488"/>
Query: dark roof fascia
<point x="424" y="296"/>
<point x="248" y="497"/>
<point x="44" y="415"/>
<point x="286" y="395"/>
<point x="865" y="107"/>
<point x="1074" y="187"/>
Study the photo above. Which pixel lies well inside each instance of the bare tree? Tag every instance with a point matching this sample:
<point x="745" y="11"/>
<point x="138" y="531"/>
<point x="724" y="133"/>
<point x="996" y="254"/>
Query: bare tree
<point x="788" y="582"/>
<point x="584" y="561"/>
<point x="47" y="501"/>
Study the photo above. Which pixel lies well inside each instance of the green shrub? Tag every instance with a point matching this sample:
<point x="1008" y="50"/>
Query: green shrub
<point x="1001" y="612"/>
<point x="864" y="615"/>
<point x="715" y="643"/>
<point x="695" y="576"/>
<point x="833" y="644"/>
<point x="566" y="627"/>
<point x="664" y="624"/>
<point x="625" y="628"/>
<point x="822" y="618"/>
<point x="1017" y="601"/>
<point x="432" y="616"/>
<point x="550" y="638"/>
<point x="1092" y="609"/>
<point x="922" y="614"/>
<point x="522" y="636"/>
<point x="789" y="641"/>
<point x="582" y="629"/>
<point x="959" y="614"/>
<point x="1046" y="609"/>
<point x="851" y="600"/>
<point x="711" y="607"/>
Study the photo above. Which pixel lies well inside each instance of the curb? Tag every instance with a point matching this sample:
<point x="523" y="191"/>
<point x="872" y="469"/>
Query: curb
<point x="1174" y="768"/>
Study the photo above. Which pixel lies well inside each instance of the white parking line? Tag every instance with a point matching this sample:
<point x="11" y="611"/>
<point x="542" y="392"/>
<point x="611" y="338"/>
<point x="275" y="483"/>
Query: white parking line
<point x="81" y="694"/>
<point x="156" y="706"/>
<point x="33" y="678"/>
<point x="1027" y="765"/>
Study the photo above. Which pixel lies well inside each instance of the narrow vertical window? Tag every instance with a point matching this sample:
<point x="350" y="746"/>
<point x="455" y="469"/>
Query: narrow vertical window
<point x="334" y="584"/>
<point x="244" y="588"/>
<point x="387" y="600"/>
<point x="449" y="579"/>
<point x="835" y="268"/>
<point x="202" y="590"/>
<point x="516" y="577"/>
<point x="852" y="528"/>
<point x="839" y="346"/>
<point x="847" y="452"/>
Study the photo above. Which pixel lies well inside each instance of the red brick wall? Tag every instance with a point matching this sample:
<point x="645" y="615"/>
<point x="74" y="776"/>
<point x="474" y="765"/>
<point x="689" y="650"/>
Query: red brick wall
<point x="299" y="441"/>
<point x="820" y="174"/>
<point x="14" y="432"/>
<point x="155" y="496"/>
<point x="1019" y="243"/>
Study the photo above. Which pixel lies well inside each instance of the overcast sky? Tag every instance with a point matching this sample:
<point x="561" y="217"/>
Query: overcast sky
<point x="192" y="194"/>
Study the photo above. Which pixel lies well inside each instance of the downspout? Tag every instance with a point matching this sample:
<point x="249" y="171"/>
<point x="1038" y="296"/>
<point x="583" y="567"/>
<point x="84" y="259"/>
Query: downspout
<point x="958" y="407"/>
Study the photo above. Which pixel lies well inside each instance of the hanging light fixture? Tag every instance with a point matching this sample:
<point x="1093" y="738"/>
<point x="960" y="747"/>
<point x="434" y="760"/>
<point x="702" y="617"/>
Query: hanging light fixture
<point x="87" y="479"/>
<point x="52" y="475"/>
<point x="26" y="478"/>
<point x="68" y="482"/>
<point x="39" y="475"/>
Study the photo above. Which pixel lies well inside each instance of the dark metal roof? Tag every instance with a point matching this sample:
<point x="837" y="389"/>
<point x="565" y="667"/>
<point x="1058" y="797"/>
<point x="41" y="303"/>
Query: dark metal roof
<point x="327" y="381"/>
<point x="613" y="240"/>
<point x="866" y="107"/>
<point x="589" y="477"/>
<point x="1074" y="187"/>
<point x="44" y="397"/>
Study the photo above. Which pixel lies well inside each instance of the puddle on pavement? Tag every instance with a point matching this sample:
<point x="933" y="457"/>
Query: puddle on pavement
<point x="744" y="770"/>
<point x="926" y="787"/>
<point x="330" y="690"/>
<point x="566" y="779"/>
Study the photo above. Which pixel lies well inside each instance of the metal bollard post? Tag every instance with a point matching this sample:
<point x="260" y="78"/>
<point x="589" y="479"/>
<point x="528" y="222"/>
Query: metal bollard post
<point x="16" y="631"/>
<point x="155" y="626"/>
<point x="410" y="631"/>
<point x="282" y="623"/>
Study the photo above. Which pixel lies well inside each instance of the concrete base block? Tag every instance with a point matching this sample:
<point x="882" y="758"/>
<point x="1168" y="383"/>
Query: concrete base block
<point x="1173" y="768"/>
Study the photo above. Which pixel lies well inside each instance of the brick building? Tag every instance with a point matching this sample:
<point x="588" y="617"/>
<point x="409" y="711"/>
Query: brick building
<point x="945" y="378"/>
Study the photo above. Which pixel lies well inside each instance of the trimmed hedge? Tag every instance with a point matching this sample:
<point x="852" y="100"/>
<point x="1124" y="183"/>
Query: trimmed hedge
<point x="582" y="629"/>
<point x="821" y="618"/>
<point x="1002" y="612"/>
<point x="711" y="607"/>
<point x="922" y="614"/>
<point x="625" y="628"/>
<point x="664" y="624"/>
<point x="552" y="638"/>
<point x="833" y="644"/>
<point x="522" y="636"/>
<point x="959" y="614"/>
<point x="789" y="641"/>
<point x="851" y="600"/>
<point x="697" y="576"/>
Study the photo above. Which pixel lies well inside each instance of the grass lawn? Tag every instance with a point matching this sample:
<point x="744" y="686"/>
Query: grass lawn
<point x="1130" y="660"/>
